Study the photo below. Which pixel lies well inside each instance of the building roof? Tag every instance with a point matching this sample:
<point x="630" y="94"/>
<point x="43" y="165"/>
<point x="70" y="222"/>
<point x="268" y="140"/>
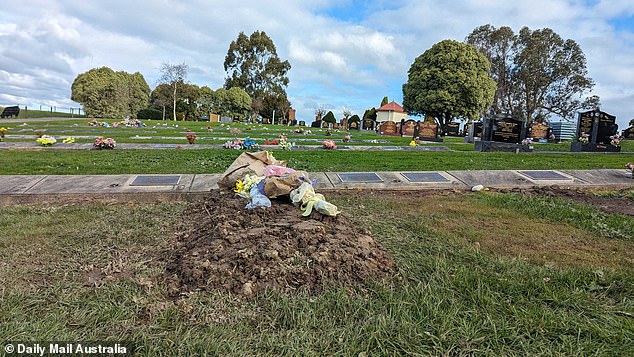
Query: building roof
<point x="391" y="107"/>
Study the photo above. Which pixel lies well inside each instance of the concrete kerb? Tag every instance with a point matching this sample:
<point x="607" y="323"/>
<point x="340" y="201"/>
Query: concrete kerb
<point x="22" y="189"/>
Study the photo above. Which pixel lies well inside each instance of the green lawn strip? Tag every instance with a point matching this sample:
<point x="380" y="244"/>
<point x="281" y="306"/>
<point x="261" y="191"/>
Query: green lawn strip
<point x="563" y="210"/>
<point x="447" y="299"/>
<point x="66" y="162"/>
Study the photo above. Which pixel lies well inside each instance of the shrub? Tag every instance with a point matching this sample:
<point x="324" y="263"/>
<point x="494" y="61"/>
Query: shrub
<point x="150" y="113"/>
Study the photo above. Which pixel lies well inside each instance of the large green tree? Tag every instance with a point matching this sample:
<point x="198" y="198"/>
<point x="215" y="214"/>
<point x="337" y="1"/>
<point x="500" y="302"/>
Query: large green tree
<point x="106" y="93"/>
<point x="538" y="73"/>
<point x="252" y="64"/>
<point x="449" y="81"/>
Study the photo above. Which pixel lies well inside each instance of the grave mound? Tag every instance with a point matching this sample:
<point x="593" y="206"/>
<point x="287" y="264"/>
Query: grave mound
<point x="223" y="246"/>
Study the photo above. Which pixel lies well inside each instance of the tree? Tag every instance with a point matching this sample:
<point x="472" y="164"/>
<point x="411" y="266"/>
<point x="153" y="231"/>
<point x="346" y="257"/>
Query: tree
<point x="252" y="64"/>
<point x="275" y="102"/>
<point x="174" y="75"/>
<point x="384" y="101"/>
<point x="320" y="112"/>
<point x="449" y="81"/>
<point x="538" y="74"/>
<point x="106" y="93"/>
<point x="370" y="114"/>
<point x="330" y="118"/>
<point x="347" y="113"/>
<point x="161" y="98"/>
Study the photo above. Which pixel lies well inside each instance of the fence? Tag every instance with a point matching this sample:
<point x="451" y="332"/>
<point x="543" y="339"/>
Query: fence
<point x="48" y="108"/>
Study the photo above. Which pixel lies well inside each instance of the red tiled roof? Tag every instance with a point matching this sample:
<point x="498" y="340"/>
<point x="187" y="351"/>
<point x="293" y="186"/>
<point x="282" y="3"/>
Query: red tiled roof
<point x="391" y="107"/>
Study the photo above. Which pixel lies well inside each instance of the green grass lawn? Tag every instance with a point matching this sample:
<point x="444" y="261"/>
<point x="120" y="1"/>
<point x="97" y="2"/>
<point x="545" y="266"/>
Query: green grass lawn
<point x="75" y="162"/>
<point x="478" y="274"/>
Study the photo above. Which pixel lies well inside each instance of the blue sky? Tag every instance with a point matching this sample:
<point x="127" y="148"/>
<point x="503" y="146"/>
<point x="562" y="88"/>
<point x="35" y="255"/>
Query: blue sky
<point x="344" y="54"/>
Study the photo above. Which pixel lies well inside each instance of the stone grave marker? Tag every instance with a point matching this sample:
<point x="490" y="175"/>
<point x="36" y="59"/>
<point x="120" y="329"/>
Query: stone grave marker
<point x="502" y="134"/>
<point x="408" y="128"/>
<point x="473" y="132"/>
<point x="596" y="127"/>
<point x="539" y="132"/>
<point x="453" y="129"/>
<point x="302" y="123"/>
<point x="369" y="124"/>
<point x="427" y="130"/>
<point x="389" y="128"/>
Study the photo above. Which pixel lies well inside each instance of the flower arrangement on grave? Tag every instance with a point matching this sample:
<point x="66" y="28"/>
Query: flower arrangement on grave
<point x="236" y="144"/>
<point x="329" y="144"/>
<point x="631" y="168"/>
<point x="346" y="138"/>
<point x="284" y="144"/>
<point x="527" y="141"/>
<point x="68" y="140"/>
<point x="104" y="144"/>
<point x="615" y="140"/>
<point x="551" y="136"/>
<point x="584" y="138"/>
<point x="191" y="138"/>
<point x="3" y="131"/>
<point x="38" y="133"/>
<point x="235" y="131"/>
<point x="46" y="140"/>
<point x="412" y="143"/>
<point x="328" y="132"/>
<point x="243" y="187"/>
<point x="250" y="144"/>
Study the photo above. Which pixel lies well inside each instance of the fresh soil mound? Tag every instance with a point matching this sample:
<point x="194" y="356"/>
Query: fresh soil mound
<point x="227" y="247"/>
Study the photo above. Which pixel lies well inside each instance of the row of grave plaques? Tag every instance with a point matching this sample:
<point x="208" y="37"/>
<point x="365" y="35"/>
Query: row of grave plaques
<point x="423" y="130"/>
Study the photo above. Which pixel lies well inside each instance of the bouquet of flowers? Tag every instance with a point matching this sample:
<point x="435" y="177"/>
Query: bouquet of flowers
<point x="250" y="144"/>
<point x="285" y="145"/>
<point x="101" y="143"/>
<point x="191" y="138"/>
<point x="236" y="144"/>
<point x="329" y="144"/>
<point x="46" y="140"/>
<point x="69" y="140"/>
<point x="3" y="131"/>
<point x="346" y="138"/>
<point x="615" y="140"/>
<point x="243" y="187"/>
<point x="631" y="168"/>
<point x="527" y="141"/>
<point x="584" y="138"/>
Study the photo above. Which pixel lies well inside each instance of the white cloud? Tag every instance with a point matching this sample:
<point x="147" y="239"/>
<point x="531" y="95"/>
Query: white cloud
<point x="45" y="44"/>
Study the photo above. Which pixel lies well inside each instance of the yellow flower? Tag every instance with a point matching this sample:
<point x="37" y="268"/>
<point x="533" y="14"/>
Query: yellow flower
<point x="239" y="186"/>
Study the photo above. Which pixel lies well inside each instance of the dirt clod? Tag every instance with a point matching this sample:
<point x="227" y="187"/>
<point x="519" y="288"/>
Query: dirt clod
<point x="225" y="246"/>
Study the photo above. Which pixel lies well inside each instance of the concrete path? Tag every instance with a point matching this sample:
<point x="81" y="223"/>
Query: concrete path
<point x="15" y="189"/>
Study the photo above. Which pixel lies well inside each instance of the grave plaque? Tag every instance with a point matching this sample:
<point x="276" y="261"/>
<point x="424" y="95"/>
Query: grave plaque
<point x="360" y="177"/>
<point x="424" y="177"/>
<point x="586" y="123"/>
<point x="389" y="128"/>
<point x="545" y="175"/>
<point x="408" y="128"/>
<point x="539" y="131"/>
<point x="170" y="180"/>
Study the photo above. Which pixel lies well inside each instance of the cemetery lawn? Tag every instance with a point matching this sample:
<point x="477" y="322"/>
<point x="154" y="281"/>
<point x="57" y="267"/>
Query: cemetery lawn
<point x="477" y="273"/>
<point x="205" y="161"/>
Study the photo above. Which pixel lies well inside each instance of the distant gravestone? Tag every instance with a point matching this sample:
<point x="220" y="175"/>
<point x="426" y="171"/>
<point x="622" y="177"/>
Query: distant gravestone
<point x="539" y="131"/>
<point x="335" y="125"/>
<point x="389" y="128"/>
<point x="427" y="131"/>
<point x="628" y="133"/>
<point x="473" y="132"/>
<point x="369" y="124"/>
<point x="453" y="129"/>
<point x="316" y="124"/>
<point x="344" y="123"/>
<point x="502" y="134"/>
<point x="302" y="123"/>
<point x="594" y="129"/>
<point x="408" y="128"/>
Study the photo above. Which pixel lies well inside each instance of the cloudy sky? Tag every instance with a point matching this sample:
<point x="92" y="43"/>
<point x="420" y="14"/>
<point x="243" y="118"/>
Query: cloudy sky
<point x="344" y="54"/>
